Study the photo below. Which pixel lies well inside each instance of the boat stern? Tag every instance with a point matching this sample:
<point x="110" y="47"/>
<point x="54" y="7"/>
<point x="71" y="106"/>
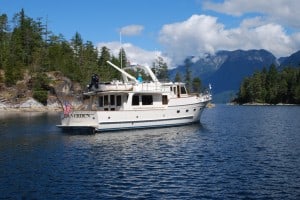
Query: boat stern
<point x="79" y="120"/>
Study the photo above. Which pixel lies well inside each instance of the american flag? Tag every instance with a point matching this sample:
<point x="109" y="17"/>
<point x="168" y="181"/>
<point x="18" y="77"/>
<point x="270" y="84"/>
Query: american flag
<point x="67" y="108"/>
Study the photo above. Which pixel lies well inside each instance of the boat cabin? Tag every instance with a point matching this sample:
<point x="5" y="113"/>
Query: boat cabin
<point x="141" y="97"/>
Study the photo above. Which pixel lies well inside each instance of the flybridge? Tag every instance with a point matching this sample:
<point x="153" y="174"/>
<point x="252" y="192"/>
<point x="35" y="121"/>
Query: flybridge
<point x="146" y="68"/>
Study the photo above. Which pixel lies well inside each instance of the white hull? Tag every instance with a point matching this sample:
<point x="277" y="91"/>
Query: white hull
<point x="134" y="119"/>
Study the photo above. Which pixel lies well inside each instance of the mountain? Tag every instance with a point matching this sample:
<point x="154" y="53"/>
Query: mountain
<point x="203" y="67"/>
<point x="292" y="60"/>
<point x="226" y="69"/>
<point x="238" y="65"/>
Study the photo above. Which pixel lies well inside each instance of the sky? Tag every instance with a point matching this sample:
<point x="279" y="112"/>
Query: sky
<point x="171" y="29"/>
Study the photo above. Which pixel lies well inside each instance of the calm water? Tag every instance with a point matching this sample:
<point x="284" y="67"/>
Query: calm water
<point x="238" y="152"/>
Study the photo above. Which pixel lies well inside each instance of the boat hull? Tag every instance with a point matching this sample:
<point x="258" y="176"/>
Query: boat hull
<point x="134" y="119"/>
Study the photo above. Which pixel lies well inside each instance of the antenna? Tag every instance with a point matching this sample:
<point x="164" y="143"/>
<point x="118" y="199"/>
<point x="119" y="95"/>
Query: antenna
<point x="121" y="56"/>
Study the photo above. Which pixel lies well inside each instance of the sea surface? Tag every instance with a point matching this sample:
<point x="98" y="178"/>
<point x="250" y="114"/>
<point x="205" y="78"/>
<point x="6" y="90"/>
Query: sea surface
<point x="236" y="152"/>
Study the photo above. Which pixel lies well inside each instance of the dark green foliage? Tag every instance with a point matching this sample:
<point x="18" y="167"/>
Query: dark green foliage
<point x="4" y="41"/>
<point x="160" y="69"/>
<point x="188" y="78"/>
<point x="196" y="85"/>
<point x="271" y="87"/>
<point x="40" y="86"/>
<point x="192" y="84"/>
<point x="41" y="96"/>
<point x="122" y="58"/>
<point x="177" y="77"/>
<point x="40" y="82"/>
<point x="28" y="45"/>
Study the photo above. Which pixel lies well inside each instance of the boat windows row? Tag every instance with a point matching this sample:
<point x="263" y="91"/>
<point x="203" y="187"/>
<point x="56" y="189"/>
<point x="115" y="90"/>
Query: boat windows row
<point x="110" y="100"/>
<point x="137" y="99"/>
<point x="145" y="100"/>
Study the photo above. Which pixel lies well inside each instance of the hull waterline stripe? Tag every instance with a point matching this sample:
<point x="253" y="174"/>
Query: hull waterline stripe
<point x="144" y="127"/>
<point x="145" y="121"/>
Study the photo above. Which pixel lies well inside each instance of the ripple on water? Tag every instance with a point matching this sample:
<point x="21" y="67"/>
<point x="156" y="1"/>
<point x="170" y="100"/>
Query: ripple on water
<point x="237" y="153"/>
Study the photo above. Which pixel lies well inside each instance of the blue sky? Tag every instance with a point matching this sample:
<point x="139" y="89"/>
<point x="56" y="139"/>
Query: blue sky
<point x="101" y="20"/>
<point x="172" y="29"/>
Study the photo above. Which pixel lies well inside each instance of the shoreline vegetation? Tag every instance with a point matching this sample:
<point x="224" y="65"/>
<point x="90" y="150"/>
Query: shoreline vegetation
<point x="271" y="87"/>
<point x="261" y="104"/>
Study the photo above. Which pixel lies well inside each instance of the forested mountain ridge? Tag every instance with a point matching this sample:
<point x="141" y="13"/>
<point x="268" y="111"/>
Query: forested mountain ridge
<point x="226" y="69"/>
<point x="292" y="60"/>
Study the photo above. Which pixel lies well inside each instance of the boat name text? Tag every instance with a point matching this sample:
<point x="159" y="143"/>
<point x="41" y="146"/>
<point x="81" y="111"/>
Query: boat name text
<point x="82" y="115"/>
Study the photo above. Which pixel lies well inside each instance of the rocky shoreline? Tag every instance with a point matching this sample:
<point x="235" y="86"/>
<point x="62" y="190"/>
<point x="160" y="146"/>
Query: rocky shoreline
<point x="30" y="105"/>
<point x="19" y="98"/>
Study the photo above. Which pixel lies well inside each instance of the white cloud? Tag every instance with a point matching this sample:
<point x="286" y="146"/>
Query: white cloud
<point x="274" y="27"/>
<point x="132" y="30"/>
<point x="201" y="34"/>
<point x="198" y="35"/>
<point x="134" y="54"/>
<point x="283" y="11"/>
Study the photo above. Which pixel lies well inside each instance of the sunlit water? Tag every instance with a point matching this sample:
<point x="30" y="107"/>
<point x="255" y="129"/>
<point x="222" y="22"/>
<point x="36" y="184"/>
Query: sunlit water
<point x="237" y="152"/>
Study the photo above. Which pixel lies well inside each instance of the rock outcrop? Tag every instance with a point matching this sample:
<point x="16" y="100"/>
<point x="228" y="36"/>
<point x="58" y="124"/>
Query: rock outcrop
<point x="60" y="90"/>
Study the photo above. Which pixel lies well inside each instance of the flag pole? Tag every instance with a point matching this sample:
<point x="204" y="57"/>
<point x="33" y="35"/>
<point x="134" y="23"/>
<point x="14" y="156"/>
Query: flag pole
<point x="121" y="49"/>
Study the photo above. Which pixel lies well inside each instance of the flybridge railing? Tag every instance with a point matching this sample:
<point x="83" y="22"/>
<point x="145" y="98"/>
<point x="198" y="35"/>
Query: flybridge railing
<point x="151" y="87"/>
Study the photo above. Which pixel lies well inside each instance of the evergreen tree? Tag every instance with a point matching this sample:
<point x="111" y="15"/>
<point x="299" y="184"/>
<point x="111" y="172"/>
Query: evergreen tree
<point x="77" y="45"/>
<point x="104" y="56"/>
<point x="89" y="62"/>
<point x="122" y="58"/>
<point x="197" y="85"/>
<point x="177" y="77"/>
<point x="103" y="66"/>
<point x="257" y="90"/>
<point x="271" y="86"/>
<point x="4" y="41"/>
<point x="160" y="68"/>
<point x="26" y="39"/>
<point x="188" y="74"/>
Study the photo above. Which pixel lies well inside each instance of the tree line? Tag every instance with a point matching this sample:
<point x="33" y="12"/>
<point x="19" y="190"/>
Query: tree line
<point x="271" y="86"/>
<point x="27" y="45"/>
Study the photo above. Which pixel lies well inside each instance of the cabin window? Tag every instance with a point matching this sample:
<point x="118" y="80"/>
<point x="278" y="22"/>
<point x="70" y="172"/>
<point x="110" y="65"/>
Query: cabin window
<point x="171" y="89"/>
<point x="147" y="100"/>
<point x="164" y="99"/>
<point x="119" y="100"/>
<point x="101" y="101"/>
<point x="135" y="100"/>
<point x="105" y="100"/>
<point x="112" y="100"/>
<point x="182" y="90"/>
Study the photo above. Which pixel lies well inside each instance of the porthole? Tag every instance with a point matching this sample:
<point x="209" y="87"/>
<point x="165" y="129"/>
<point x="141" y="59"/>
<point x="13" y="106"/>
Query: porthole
<point x="178" y="111"/>
<point x="186" y="110"/>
